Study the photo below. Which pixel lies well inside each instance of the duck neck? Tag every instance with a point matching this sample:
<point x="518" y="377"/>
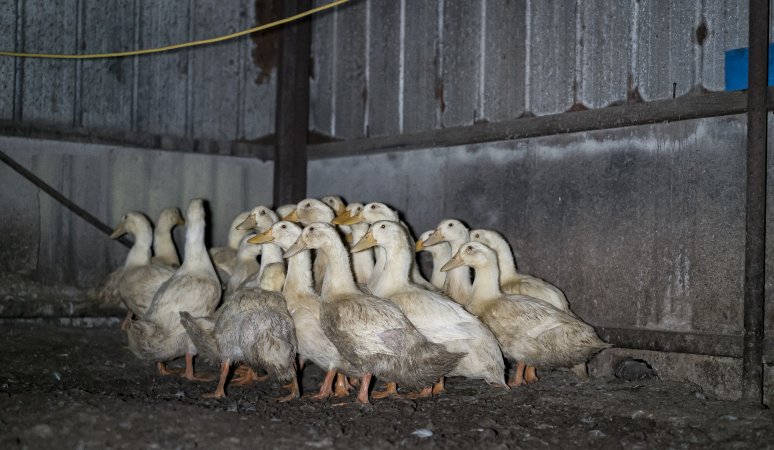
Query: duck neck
<point x="235" y="237"/>
<point x="140" y="253"/>
<point x="487" y="283"/>
<point x="270" y="253"/>
<point x="441" y="253"/>
<point x="196" y="256"/>
<point x="458" y="284"/>
<point x="338" y="276"/>
<point x="164" y="246"/>
<point x="396" y="269"/>
<point x="299" y="276"/>
<point x="246" y="265"/>
<point x="505" y="261"/>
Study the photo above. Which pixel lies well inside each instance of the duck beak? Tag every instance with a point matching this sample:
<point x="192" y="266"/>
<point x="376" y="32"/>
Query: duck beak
<point x="419" y="246"/>
<point x="364" y="243"/>
<point x="341" y="209"/>
<point x="434" y="238"/>
<point x="297" y="247"/>
<point x="292" y="217"/>
<point x="180" y="220"/>
<point x="119" y="231"/>
<point x="353" y="219"/>
<point x="248" y="223"/>
<point x="453" y="263"/>
<point x="262" y="238"/>
<point x="342" y="217"/>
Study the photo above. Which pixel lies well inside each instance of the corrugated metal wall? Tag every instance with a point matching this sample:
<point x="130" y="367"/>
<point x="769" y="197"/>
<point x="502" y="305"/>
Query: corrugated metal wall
<point x="224" y="91"/>
<point x="383" y="67"/>
<point x="40" y="236"/>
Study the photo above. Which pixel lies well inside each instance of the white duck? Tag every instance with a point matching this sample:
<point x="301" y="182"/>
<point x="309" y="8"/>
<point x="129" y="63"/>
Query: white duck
<point x="436" y="316"/>
<point x="530" y="331"/>
<point x="457" y="285"/>
<point x="363" y="261"/>
<point x="308" y="211"/>
<point x="513" y="282"/>
<point x="164" y="249"/>
<point x="374" y="212"/>
<point x="440" y="253"/>
<point x="370" y="332"/>
<point x="304" y="306"/>
<point x="335" y="202"/>
<point x="224" y="258"/>
<point x="194" y="287"/>
<point x="284" y="210"/>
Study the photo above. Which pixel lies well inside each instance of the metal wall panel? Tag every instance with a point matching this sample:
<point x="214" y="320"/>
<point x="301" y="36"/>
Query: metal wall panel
<point x="350" y="81"/>
<point x="385" y="66"/>
<point x="642" y="227"/>
<point x="321" y="81"/>
<point x="423" y="87"/>
<point x="8" y="16"/>
<point x="462" y="56"/>
<point x="725" y="28"/>
<point x="48" y="89"/>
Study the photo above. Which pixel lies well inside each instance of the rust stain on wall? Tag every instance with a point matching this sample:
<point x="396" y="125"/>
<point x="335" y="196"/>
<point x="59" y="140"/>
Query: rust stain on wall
<point x="266" y="51"/>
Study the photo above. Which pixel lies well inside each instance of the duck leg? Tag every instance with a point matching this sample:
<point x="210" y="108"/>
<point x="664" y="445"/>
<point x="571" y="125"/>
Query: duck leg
<point x="189" y="371"/>
<point x="220" y="391"/>
<point x="517" y="378"/>
<point x="438" y="387"/>
<point x="425" y="392"/>
<point x="392" y="389"/>
<point x="127" y="319"/>
<point x="246" y="375"/>
<point x="166" y="371"/>
<point x="325" y="386"/>
<point x="342" y="386"/>
<point x="294" y="392"/>
<point x="354" y="382"/>
<point x="529" y="375"/>
<point x="362" y="395"/>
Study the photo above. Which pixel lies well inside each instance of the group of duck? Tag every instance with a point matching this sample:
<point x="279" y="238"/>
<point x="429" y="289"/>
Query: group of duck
<point x="338" y="285"/>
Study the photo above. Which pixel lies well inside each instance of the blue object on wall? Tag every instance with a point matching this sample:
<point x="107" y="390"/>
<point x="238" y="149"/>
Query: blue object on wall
<point x="736" y="68"/>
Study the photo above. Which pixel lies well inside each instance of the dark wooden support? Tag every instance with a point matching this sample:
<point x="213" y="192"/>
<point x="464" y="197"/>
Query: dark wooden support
<point x="292" y="106"/>
<point x="755" y="206"/>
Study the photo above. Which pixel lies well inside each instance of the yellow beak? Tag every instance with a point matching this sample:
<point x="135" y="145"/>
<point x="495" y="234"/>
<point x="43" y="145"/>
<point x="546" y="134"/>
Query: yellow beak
<point x="292" y="217"/>
<point x="119" y="231"/>
<point x="434" y="238"/>
<point x="453" y="263"/>
<point x="262" y="238"/>
<point x="297" y="247"/>
<point x="365" y="242"/>
<point x="248" y="224"/>
<point x="353" y="219"/>
<point x="419" y="246"/>
<point x="342" y="217"/>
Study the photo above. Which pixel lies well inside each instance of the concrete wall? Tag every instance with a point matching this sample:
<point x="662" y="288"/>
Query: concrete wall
<point x="39" y="236"/>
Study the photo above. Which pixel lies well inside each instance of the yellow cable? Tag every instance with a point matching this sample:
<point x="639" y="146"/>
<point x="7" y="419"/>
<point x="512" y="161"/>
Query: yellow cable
<point x="184" y="44"/>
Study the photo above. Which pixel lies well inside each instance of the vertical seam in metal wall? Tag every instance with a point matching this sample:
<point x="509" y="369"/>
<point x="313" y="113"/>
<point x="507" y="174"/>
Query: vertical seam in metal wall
<point x="367" y="58"/>
<point x="439" y="69"/>
<point x="579" y="46"/>
<point x="634" y="46"/>
<point x="527" y="53"/>
<point x="402" y="67"/>
<point x="334" y="60"/>
<point x="189" y="74"/>
<point x="481" y="62"/>
<point x="241" y="85"/>
<point x="136" y="64"/>
<point x="698" y="49"/>
<point x="18" y="72"/>
<point x="77" y="119"/>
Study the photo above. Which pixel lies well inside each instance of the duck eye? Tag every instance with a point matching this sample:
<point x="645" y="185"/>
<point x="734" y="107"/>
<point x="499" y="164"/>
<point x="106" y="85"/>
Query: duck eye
<point x="383" y="226"/>
<point x="284" y="226"/>
<point x="311" y="229"/>
<point x="307" y="205"/>
<point x="451" y="225"/>
<point x="263" y="213"/>
<point x="470" y="248"/>
<point x="477" y="235"/>
<point x="373" y="206"/>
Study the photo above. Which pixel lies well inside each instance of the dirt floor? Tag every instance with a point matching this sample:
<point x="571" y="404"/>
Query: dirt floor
<point x="78" y="387"/>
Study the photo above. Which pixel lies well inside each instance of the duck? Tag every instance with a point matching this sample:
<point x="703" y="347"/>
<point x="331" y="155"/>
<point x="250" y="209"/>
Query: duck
<point x="513" y="282"/>
<point x="224" y="258"/>
<point x="530" y="331"/>
<point x="194" y="287"/>
<point x="363" y="261"/>
<point x="370" y="332"/>
<point x="284" y="210"/>
<point x="308" y="211"/>
<point x="253" y="327"/>
<point x="374" y="212"/>
<point x="164" y="249"/>
<point x="437" y="317"/>
<point x="457" y="285"/>
<point x="440" y="252"/>
<point x="304" y="306"/>
<point x="335" y="202"/>
<point x="246" y="264"/>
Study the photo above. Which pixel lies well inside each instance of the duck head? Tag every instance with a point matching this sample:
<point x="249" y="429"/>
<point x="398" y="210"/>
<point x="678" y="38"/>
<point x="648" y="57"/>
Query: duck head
<point x="309" y="211"/>
<point x="335" y="202"/>
<point x="449" y="230"/>
<point x="383" y="233"/>
<point x="472" y="254"/>
<point x="282" y="233"/>
<point x="260" y="219"/>
<point x="315" y="235"/>
<point x="133" y="222"/>
<point x="284" y="210"/>
<point x="169" y="218"/>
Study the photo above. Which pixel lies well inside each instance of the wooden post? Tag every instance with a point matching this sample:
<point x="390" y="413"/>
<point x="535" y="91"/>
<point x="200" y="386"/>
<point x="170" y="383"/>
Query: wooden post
<point x="292" y="106"/>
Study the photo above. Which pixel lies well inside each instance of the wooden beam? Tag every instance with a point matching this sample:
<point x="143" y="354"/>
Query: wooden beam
<point x="687" y="107"/>
<point x="292" y="106"/>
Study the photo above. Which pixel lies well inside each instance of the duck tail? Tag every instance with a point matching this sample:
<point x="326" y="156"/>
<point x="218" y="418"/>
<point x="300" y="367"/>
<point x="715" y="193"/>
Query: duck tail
<point x="200" y="332"/>
<point x="433" y="363"/>
<point x="150" y="342"/>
